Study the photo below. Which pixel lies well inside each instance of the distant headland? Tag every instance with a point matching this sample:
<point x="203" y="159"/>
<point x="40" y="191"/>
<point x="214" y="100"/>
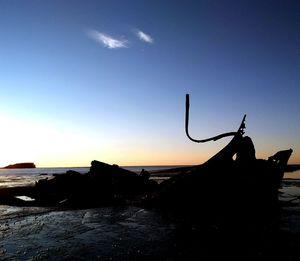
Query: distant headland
<point x="24" y="165"/>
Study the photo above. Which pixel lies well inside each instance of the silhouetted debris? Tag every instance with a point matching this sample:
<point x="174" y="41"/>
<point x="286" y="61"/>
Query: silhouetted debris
<point x="292" y="167"/>
<point x="103" y="185"/>
<point x="215" y="190"/>
<point x="222" y="188"/>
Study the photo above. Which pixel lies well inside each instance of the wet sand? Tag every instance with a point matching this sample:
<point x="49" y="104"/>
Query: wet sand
<point x="136" y="233"/>
<point x="111" y="233"/>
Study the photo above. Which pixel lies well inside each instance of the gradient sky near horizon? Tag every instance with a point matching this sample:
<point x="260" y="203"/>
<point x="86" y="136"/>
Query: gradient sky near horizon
<point x="106" y="80"/>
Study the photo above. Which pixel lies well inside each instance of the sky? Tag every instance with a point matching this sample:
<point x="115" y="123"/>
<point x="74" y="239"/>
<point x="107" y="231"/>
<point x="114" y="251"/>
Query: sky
<point x="106" y="80"/>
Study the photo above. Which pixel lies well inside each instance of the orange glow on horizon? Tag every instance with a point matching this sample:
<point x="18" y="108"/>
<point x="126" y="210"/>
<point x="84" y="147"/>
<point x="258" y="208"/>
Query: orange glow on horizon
<point x="141" y="160"/>
<point x="61" y="146"/>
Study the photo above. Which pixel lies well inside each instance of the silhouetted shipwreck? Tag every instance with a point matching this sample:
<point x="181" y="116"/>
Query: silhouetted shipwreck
<point x="224" y="187"/>
<point x="214" y="192"/>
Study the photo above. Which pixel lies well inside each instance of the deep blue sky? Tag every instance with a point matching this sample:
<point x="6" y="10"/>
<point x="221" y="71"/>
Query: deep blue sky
<point x="68" y="97"/>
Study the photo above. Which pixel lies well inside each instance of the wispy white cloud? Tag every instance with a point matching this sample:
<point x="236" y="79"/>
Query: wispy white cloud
<point x="107" y="41"/>
<point x="144" y="37"/>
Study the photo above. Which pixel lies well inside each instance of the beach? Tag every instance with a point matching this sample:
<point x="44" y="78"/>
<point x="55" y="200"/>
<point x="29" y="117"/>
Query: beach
<point x="139" y="233"/>
<point x="112" y="233"/>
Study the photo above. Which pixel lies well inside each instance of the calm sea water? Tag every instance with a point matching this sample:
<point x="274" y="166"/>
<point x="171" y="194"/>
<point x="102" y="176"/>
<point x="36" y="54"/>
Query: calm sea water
<point x="21" y="177"/>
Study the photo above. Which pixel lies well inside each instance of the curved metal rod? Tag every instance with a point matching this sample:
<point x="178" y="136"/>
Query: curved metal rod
<point x="187" y="109"/>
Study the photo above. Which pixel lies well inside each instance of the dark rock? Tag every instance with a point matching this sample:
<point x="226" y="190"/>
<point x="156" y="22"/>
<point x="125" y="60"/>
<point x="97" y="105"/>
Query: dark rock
<point x="26" y="165"/>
